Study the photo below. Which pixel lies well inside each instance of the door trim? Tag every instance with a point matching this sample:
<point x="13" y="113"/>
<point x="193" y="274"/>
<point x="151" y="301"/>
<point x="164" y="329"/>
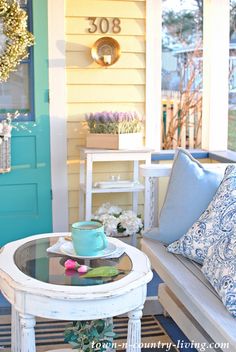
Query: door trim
<point x="57" y="111"/>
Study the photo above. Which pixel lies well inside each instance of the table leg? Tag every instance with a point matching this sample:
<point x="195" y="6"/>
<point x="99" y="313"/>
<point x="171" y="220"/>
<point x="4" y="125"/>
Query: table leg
<point x="134" y="330"/>
<point x="27" y="323"/>
<point x="134" y="240"/>
<point x="15" y="330"/>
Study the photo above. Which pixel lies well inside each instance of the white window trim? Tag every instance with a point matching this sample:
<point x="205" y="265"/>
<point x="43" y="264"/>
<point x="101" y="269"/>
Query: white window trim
<point x="57" y="111"/>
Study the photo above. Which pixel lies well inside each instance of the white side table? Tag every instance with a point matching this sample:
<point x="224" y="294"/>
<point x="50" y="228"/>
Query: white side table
<point x="88" y="156"/>
<point x="32" y="290"/>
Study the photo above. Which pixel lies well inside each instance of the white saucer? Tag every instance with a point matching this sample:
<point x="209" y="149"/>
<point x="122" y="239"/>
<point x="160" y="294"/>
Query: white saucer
<point x="68" y="249"/>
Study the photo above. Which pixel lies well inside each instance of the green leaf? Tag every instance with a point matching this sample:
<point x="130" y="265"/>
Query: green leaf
<point x="94" y="333"/>
<point x="103" y="271"/>
<point x="120" y="229"/>
<point x="100" y="324"/>
<point x="110" y="334"/>
<point x="68" y="336"/>
<point x="73" y="338"/>
<point x="74" y="344"/>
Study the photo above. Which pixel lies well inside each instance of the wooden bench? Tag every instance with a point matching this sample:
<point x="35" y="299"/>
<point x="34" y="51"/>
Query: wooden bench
<point x="185" y="294"/>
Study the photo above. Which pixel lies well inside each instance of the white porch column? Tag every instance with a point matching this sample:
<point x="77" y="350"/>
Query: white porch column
<point x="58" y="131"/>
<point x="215" y="74"/>
<point x="153" y="73"/>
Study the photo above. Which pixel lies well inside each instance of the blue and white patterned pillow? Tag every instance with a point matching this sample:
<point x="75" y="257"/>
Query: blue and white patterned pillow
<point x="220" y="269"/>
<point x="218" y="220"/>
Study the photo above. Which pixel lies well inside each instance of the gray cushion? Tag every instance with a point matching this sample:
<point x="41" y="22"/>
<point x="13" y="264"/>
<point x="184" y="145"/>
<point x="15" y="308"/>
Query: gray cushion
<point x="190" y="190"/>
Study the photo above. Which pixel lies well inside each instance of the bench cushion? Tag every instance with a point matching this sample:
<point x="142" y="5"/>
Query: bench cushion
<point x="192" y="289"/>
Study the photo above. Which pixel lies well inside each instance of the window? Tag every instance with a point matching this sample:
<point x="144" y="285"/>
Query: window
<point x="17" y="92"/>
<point x="182" y="22"/>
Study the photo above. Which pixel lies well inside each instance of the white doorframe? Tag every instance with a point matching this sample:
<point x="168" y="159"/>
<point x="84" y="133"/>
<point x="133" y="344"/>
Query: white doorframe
<point x="215" y="75"/>
<point x="153" y="73"/>
<point x="57" y="111"/>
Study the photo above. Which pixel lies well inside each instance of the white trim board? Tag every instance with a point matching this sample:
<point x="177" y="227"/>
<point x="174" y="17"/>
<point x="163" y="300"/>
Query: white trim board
<point x="153" y="73"/>
<point x="57" y="111"/>
<point x="215" y="75"/>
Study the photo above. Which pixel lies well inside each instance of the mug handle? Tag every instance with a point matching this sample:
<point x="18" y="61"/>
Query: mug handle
<point x="104" y="240"/>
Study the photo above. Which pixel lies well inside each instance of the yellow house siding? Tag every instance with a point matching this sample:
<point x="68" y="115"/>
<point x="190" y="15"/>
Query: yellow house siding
<point x="83" y="59"/>
<point x="109" y="8"/>
<point x="76" y="111"/>
<point x="92" y="88"/>
<point x="85" y="76"/>
<point x="130" y="26"/>
<point x="106" y="93"/>
<point x="78" y="43"/>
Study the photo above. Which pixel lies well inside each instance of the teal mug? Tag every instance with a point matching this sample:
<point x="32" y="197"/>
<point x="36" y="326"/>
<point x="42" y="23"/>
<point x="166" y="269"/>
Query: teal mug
<point x="88" y="238"/>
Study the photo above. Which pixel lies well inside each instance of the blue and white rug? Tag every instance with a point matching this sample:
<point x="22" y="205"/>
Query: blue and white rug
<point x="159" y="334"/>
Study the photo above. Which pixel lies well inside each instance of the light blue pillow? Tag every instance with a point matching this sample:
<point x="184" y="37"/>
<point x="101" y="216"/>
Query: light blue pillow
<point x="220" y="269"/>
<point x="190" y="190"/>
<point x="217" y="221"/>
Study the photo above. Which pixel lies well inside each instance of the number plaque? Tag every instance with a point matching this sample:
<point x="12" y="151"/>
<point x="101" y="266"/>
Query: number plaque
<point x="104" y="25"/>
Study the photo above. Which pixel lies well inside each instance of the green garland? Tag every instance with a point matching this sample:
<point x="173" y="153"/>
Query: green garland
<point x="18" y="38"/>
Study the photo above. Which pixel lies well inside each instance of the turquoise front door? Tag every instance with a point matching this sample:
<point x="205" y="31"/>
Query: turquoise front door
<point x="25" y="192"/>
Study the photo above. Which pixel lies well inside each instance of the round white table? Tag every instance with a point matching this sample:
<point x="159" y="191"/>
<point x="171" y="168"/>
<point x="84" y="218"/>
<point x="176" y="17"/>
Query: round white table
<point x="35" y="284"/>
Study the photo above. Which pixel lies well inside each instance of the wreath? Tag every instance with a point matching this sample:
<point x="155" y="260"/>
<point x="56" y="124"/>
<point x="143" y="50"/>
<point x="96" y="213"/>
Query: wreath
<point x="14" y="37"/>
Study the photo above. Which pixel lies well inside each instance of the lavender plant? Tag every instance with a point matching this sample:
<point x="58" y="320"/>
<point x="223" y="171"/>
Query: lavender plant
<point x="114" y="122"/>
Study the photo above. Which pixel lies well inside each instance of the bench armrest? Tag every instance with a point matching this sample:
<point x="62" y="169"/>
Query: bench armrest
<point x="151" y="173"/>
<point x="155" y="170"/>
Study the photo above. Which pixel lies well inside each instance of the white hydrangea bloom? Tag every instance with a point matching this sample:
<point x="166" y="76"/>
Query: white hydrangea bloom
<point x="128" y="220"/>
<point x="110" y="223"/>
<point x="114" y="210"/>
<point x="108" y="208"/>
<point x="104" y="208"/>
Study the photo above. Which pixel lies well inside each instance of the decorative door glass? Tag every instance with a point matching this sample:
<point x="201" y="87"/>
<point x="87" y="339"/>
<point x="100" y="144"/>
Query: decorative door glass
<point x="17" y="92"/>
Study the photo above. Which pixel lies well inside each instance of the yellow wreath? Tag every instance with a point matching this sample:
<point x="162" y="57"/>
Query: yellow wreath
<point x="14" y="22"/>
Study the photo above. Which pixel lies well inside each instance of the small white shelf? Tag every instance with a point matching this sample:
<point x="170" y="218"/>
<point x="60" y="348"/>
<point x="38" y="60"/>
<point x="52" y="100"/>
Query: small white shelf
<point x="137" y="188"/>
<point x="89" y="156"/>
<point x="115" y="184"/>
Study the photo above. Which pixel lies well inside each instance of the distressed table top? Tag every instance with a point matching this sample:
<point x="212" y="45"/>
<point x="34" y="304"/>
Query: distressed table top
<point x="43" y="291"/>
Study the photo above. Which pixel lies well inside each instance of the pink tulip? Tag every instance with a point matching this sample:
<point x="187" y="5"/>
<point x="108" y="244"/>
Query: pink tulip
<point x="83" y="269"/>
<point x="71" y="264"/>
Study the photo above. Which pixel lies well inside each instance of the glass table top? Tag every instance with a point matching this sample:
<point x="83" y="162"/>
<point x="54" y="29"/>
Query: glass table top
<point x="33" y="260"/>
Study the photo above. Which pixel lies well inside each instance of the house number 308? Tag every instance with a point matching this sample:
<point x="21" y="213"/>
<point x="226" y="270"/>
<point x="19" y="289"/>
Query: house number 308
<point x="104" y="25"/>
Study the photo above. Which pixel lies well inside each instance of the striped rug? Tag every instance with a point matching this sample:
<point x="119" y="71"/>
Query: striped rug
<point x="49" y="334"/>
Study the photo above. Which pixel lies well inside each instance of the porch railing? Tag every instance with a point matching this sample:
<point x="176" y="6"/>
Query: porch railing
<point x="181" y="120"/>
